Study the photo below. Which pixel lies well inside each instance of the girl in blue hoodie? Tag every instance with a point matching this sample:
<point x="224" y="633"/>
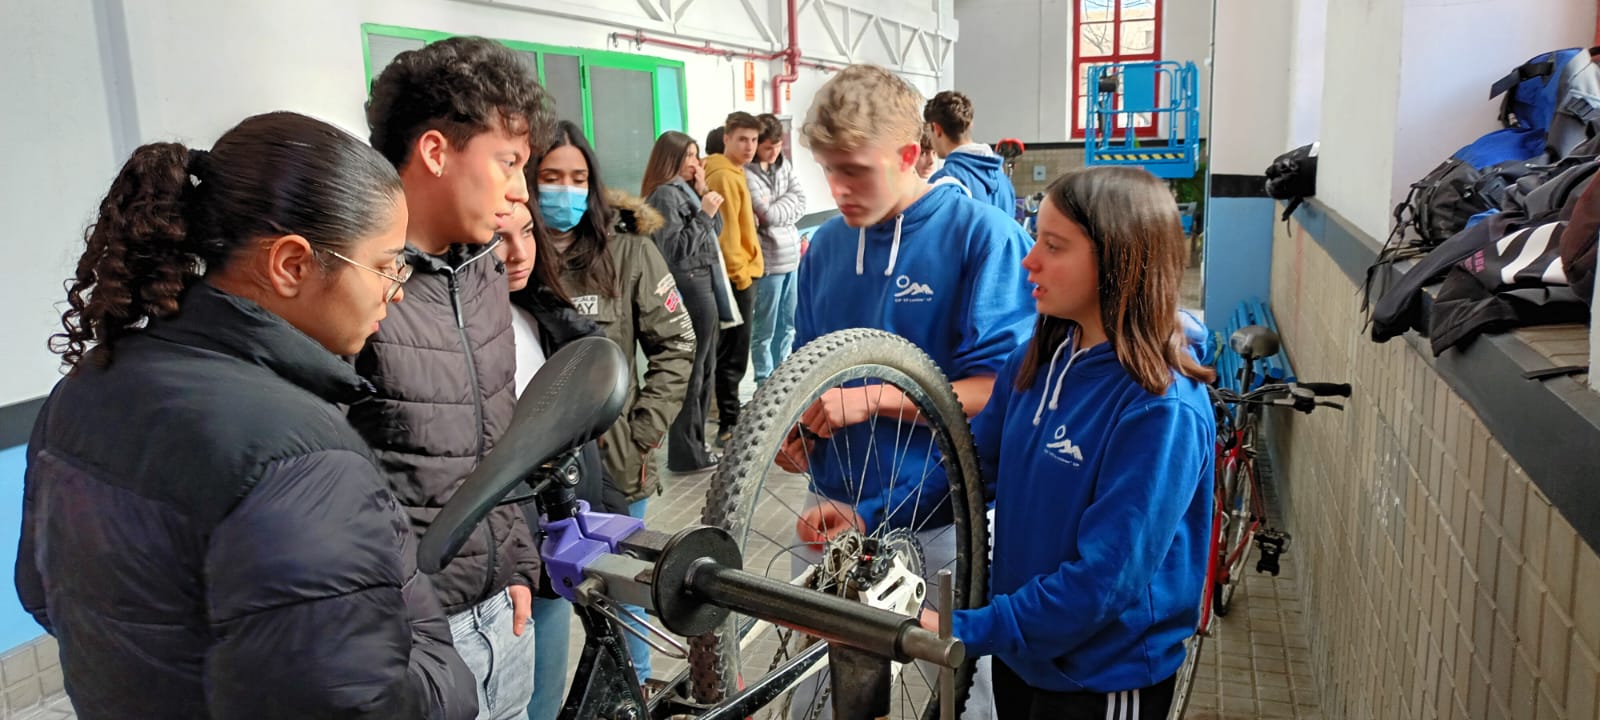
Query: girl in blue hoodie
<point x="1097" y="448"/>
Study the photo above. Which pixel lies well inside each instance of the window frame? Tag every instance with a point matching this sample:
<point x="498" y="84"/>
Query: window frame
<point x="1075" y="118"/>
<point x="587" y="59"/>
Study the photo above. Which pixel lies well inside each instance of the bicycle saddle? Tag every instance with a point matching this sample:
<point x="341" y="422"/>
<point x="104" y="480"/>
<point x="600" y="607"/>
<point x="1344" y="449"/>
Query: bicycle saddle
<point x="573" y="399"/>
<point x="1254" y="342"/>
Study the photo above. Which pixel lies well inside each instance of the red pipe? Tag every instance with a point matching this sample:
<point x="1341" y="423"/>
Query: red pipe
<point x="791" y="58"/>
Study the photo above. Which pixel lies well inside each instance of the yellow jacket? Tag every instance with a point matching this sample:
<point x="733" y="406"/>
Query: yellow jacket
<point x="741" y="246"/>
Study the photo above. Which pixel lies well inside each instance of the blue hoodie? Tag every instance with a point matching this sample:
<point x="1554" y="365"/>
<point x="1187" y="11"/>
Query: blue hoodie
<point x="982" y="173"/>
<point x="945" y="274"/>
<point x="1102" y="516"/>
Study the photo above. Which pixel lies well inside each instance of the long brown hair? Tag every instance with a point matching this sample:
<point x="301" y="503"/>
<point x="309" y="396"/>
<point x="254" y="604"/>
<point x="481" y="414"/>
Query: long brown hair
<point x="665" y="160"/>
<point x="1132" y="219"/>
<point x="590" y="254"/>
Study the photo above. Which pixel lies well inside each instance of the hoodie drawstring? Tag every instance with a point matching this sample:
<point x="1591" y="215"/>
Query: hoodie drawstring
<point x="1060" y="380"/>
<point x="894" y="249"/>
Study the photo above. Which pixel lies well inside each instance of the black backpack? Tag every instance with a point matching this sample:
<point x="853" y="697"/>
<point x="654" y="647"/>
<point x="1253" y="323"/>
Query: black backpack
<point x="1292" y="176"/>
<point x="1515" y="281"/>
<point x="1558" y="192"/>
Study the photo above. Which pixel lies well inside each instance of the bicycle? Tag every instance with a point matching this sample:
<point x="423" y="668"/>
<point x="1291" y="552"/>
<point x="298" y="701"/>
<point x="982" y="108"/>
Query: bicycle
<point x="846" y="617"/>
<point x="1240" y="516"/>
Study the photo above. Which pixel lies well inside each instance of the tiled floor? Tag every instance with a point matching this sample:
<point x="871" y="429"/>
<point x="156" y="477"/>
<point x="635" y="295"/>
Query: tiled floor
<point x="58" y="709"/>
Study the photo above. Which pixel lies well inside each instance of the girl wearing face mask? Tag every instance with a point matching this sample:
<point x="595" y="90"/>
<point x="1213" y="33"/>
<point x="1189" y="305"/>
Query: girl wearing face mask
<point x="608" y="265"/>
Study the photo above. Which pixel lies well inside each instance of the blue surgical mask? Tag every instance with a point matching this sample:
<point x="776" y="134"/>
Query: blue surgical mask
<point x="562" y="206"/>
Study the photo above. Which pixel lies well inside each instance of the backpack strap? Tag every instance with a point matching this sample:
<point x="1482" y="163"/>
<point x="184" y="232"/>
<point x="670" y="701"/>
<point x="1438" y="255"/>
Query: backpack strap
<point x="1530" y="69"/>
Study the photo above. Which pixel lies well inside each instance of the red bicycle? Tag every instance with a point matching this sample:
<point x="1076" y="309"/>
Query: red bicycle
<point x="1240" y="518"/>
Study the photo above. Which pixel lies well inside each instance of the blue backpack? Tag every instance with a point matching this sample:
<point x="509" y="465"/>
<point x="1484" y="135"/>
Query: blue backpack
<point x="1555" y="94"/>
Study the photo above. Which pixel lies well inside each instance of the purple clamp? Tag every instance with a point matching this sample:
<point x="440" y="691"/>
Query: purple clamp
<point x="571" y="544"/>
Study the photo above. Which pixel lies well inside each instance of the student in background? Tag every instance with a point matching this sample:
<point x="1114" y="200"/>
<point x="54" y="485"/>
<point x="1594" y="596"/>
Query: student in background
<point x="607" y="263"/>
<point x="741" y="257"/>
<point x="674" y="184"/>
<point x="971" y="165"/>
<point x="543" y="321"/>
<point x="928" y="161"/>
<point x="779" y="203"/>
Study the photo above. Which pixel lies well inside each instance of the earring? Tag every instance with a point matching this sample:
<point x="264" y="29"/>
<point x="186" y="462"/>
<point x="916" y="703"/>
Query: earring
<point x="438" y="172"/>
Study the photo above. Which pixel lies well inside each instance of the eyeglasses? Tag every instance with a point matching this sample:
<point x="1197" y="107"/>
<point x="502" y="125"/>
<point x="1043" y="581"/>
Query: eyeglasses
<point x="402" y="274"/>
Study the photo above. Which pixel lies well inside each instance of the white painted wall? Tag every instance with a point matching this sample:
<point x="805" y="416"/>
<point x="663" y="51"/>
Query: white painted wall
<point x="188" y="70"/>
<point x="1444" y="86"/>
<point x="57" y="121"/>
<point x="1308" y="49"/>
<point x="1360" y="99"/>
<point x="1250" y="119"/>
<point x="1399" y="98"/>
<point x="1015" y="62"/>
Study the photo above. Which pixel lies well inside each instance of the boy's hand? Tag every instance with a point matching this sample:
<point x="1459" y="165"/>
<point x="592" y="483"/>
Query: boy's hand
<point x="825" y="522"/>
<point x="521" y="608"/>
<point x="837" y="409"/>
<point x="794" y="452"/>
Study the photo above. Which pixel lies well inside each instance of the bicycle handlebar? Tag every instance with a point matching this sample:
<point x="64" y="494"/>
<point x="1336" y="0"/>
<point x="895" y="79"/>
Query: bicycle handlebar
<point x="1339" y="389"/>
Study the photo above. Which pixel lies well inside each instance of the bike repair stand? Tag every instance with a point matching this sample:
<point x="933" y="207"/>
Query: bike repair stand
<point x="691" y="580"/>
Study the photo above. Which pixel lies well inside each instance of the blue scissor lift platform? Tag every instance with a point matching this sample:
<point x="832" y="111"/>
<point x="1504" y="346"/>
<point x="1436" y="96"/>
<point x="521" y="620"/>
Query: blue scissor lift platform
<point x="1140" y="86"/>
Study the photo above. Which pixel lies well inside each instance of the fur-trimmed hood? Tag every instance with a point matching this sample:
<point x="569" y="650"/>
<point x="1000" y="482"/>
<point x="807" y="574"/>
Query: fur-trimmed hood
<point x="634" y="215"/>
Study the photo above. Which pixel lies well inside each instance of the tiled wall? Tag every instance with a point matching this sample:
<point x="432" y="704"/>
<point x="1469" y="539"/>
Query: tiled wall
<point x="1055" y="162"/>
<point x="1439" y="581"/>
<point x="31" y="673"/>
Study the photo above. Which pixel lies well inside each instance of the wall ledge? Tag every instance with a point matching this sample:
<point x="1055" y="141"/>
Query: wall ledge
<point x="1551" y="428"/>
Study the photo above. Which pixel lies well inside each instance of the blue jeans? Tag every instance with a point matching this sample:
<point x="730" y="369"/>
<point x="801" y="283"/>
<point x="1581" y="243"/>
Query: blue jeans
<point x="552" y="622"/>
<point x="498" y="658"/>
<point x="772" y="328"/>
<point x="638" y="649"/>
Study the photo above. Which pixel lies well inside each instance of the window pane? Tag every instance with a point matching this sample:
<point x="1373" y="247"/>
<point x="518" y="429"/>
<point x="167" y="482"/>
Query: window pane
<point x="529" y="60"/>
<point x="561" y="80"/>
<point x="623" y="107"/>
<point x="381" y="49"/>
<point x="1139" y="37"/>
<point x="1138" y="9"/>
<point x="1094" y="39"/>
<point x="1083" y="112"/>
<point x="1096" y="11"/>
<point x="669" y="99"/>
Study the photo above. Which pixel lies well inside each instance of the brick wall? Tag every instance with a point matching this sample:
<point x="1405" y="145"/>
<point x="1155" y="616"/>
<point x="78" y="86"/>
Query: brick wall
<point x="31" y="674"/>
<point x="1055" y="162"/>
<point x="1439" y="580"/>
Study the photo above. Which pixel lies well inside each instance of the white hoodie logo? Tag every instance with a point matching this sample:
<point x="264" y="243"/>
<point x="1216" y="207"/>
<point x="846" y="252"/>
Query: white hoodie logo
<point x="911" y="291"/>
<point x="1064" y="448"/>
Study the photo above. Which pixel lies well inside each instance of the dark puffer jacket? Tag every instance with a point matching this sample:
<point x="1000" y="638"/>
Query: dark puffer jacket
<point x="206" y="536"/>
<point x="644" y="311"/>
<point x="444" y="364"/>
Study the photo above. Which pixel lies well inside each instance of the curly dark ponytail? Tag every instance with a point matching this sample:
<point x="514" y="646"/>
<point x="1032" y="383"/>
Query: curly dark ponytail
<point x="174" y="214"/>
<point x="137" y="263"/>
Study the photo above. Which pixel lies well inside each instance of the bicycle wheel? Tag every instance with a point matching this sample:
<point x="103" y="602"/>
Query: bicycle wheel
<point x="933" y="527"/>
<point x="1185" y="677"/>
<point x="1239" y="524"/>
